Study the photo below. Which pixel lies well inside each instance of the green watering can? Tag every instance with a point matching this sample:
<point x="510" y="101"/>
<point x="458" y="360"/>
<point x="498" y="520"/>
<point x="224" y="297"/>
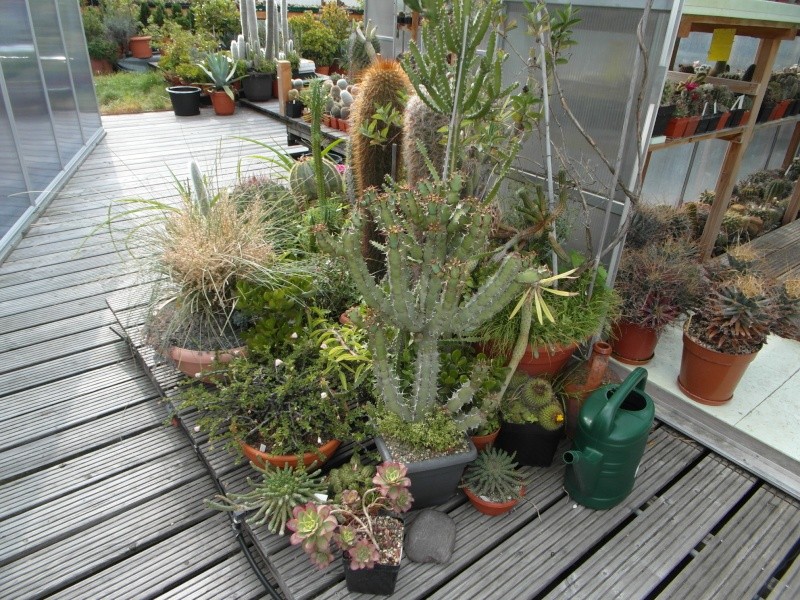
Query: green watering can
<point x="612" y="431"/>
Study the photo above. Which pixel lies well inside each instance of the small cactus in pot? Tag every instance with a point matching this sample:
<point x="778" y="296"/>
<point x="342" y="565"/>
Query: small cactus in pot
<point x="492" y="482"/>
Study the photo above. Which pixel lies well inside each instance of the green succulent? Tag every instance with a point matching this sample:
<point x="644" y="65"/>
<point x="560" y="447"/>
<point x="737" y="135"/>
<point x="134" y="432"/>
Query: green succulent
<point x="274" y="497"/>
<point x="494" y="475"/>
<point x="351" y="476"/>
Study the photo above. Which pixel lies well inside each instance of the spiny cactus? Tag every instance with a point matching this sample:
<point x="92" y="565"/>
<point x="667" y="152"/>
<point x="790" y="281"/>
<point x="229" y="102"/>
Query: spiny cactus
<point x="532" y="400"/>
<point x="350" y="476"/>
<point x="433" y="235"/>
<point x="385" y="83"/>
<point x="494" y="476"/>
<point x="422" y="141"/>
<point x="363" y="47"/>
<point x="303" y="182"/>
<point x="274" y="497"/>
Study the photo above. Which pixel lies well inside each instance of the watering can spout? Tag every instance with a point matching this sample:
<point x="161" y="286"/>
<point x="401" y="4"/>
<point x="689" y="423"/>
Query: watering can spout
<point x="586" y="467"/>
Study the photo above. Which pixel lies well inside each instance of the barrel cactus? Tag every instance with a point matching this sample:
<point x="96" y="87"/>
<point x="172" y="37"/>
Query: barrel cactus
<point x="302" y="181"/>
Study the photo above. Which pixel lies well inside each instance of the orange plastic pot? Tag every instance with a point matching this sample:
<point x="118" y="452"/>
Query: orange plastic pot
<point x="691" y="126"/>
<point x="633" y="344"/>
<point x="194" y="362"/>
<point x="259" y="458"/>
<point x="140" y="46"/>
<point x="223" y="104"/>
<point x="481" y="441"/>
<point x="492" y="509"/>
<point x="710" y="377"/>
<point x="548" y="362"/>
<point x="676" y="127"/>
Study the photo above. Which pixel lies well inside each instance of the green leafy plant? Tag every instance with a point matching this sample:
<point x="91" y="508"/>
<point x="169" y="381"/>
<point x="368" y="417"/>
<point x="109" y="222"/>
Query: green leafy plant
<point x="351" y="476"/>
<point x="218" y="17"/>
<point x="357" y="525"/>
<point x="98" y="38"/>
<point x="221" y="71"/>
<point x="274" y="497"/>
<point x="494" y="476"/>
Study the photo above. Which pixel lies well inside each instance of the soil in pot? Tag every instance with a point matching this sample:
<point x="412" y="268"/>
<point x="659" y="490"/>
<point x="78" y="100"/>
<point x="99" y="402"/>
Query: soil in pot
<point x="260" y="458"/>
<point x="708" y="376"/>
<point x="493" y="509"/>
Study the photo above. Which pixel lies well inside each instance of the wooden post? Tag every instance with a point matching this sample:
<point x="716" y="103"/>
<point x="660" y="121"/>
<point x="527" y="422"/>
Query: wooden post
<point x="284" y="84"/>
<point x="765" y="57"/>
<point x="794" y="205"/>
<point x="415" y="26"/>
<point x="792" y="148"/>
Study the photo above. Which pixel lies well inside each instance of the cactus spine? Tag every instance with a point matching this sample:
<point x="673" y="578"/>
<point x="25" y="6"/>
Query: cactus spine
<point x="432" y="238"/>
<point x="422" y="140"/>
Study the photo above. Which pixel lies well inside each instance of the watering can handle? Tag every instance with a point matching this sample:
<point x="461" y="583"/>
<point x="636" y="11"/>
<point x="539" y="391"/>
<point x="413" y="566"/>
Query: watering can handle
<point x="636" y="380"/>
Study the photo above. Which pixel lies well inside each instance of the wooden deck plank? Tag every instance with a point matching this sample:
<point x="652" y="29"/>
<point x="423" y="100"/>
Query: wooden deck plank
<point x="51" y="331"/>
<point x="38" y="454"/>
<point x="37" y="529"/>
<point x="83" y="471"/>
<point x="788" y="585"/>
<point x="215" y="583"/>
<point x="105" y="544"/>
<point x="72" y="413"/>
<point x="736" y="561"/>
<point x="648" y="548"/>
<point x="153" y="571"/>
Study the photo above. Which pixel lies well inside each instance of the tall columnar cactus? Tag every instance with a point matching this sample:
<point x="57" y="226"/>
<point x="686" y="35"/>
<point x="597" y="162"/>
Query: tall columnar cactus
<point x="433" y="236"/>
<point x="272" y="30"/>
<point x="422" y="140"/>
<point x="384" y="83"/>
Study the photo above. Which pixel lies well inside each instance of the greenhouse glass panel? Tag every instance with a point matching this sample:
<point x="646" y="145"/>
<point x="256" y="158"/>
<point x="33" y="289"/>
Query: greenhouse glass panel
<point x="13" y="199"/>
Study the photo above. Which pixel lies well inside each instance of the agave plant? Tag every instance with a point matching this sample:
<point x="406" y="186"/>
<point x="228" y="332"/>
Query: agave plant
<point x="355" y="524"/>
<point x="494" y="476"/>
<point x="220" y="69"/>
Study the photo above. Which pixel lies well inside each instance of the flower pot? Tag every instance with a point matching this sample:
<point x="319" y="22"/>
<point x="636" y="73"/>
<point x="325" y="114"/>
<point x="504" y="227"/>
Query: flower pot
<point x="707" y="123"/>
<point x="435" y="480"/>
<point x="334" y="123"/>
<point x="294" y="109"/>
<point x="534" y="445"/>
<point x="764" y="112"/>
<point x="223" y="104"/>
<point x="258" y="87"/>
<point x="344" y="125"/>
<point x="379" y="580"/>
<point x="101" y="66"/>
<point x="663" y="117"/>
<point x="323" y="69"/>
<point x="708" y="376"/>
<point x="676" y="127"/>
<point x="481" y="441"/>
<point x="326" y="120"/>
<point x="691" y="126"/>
<point x="548" y="362"/>
<point x="259" y="458"/>
<point x="633" y="344"/>
<point x="140" y="46"/>
<point x="193" y="362"/>
<point x="493" y="509"/>
<point x="185" y="100"/>
<point x="723" y="120"/>
<point x="780" y="110"/>
<point x="745" y="117"/>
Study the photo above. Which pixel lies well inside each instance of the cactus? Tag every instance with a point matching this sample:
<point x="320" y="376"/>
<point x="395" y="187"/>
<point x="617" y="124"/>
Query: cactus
<point x="432" y="238"/>
<point x="350" y="476"/>
<point x="345" y="113"/>
<point x="422" y="140"/>
<point x="342" y="84"/>
<point x="494" y="475"/>
<point x="272" y="31"/>
<point x="298" y="84"/>
<point x="201" y="200"/>
<point x="293" y="95"/>
<point x="303" y="182"/>
<point x="346" y="98"/>
<point x="384" y="83"/>
<point x="336" y="110"/>
<point x="363" y="47"/>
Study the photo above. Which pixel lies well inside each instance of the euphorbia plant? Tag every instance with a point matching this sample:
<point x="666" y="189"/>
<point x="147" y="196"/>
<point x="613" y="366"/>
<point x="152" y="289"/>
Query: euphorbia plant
<point x="358" y="524"/>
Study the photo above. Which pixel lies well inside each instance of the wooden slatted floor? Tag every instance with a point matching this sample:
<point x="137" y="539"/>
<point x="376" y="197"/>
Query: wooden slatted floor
<point x="100" y="499"/>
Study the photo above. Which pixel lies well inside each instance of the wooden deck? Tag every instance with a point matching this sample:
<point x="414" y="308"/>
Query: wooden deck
<point x="99" y="498"/>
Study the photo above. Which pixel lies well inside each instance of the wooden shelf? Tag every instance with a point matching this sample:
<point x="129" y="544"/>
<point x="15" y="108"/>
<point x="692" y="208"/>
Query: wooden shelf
<point x="739" y="87"/>
<point x="728" y="134"/>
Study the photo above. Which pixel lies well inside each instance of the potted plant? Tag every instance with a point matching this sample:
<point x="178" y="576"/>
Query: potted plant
<point x="274" y="497"/>
<point x="659" y="279"/>
<point x="492" y="483"/>
<point x="532" y="421"/>
<point x="666" y="109"/>
<point x="261" y="65"/>
<point x="741" y="308"/>
<point x="283" y="410"/>
<point x="221" y="72"/>
<point x="319" y="44"/>
<point x="102" y="49"/>
<point x="139" y="44"/>
<point x="361" y="526"/>
<point x="120" y="21"/>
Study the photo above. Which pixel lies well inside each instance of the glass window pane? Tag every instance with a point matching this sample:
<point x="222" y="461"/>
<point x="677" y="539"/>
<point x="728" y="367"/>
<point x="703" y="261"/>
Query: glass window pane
<point x="13" y="199"/>
<point x="28" y="102"/>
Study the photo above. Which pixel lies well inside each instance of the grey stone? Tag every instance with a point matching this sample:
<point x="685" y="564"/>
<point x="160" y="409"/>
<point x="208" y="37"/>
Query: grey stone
<point x="431" y="537"/>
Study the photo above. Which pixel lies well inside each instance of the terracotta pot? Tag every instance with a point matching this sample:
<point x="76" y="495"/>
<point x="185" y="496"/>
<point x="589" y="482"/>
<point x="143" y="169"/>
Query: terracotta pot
<point x="691" y="126"/>
<point x="710" y="377"/>
<point x="255" y="456"/>
<point x="193" y="362"/>
<point x="676" y="127"/>
<point x="723" y="120"/>
<point x="323" y="70"/>
<point x="492" y="509"/>
<point x="344" y="125"/>
<point x="326" y="120"/>
<point x="780" y="110"/>
<point x="140" y="46"/>
<point x="101" y="66"/>
<point x="223" y="104"/>
<point x="546" y="363"/>
<point x="745" y="117"/>
<point x="633" y="344"/>
<point x="481" y="441"/>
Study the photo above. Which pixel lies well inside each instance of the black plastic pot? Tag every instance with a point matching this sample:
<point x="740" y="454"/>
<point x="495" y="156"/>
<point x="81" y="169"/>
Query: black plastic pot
<point x="662" y="118"/>
<point x="736" y="117"/>
<point x="708" y="123"/>
<point x="379" y="580"/>
<point x="257" y="87"/>
<point x="185" y="100"/>
<point x="435" y="480"/>
<point x="535" y="446"/>
<point x="764" y="112"/>
<point x="294" y="109"/>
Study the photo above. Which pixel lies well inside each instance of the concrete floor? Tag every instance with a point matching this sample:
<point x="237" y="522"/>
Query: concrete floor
<point x="766" y="404"/>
